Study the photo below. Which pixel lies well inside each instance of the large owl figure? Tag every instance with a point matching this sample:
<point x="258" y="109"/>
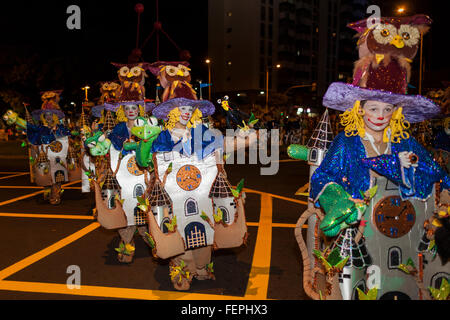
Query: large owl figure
<point x="386" y="49"/>
<point x="109" y="91"/>
<point x="175" y="78"/>
<point x="50" y="99"/>
<point x="132" y="80"/>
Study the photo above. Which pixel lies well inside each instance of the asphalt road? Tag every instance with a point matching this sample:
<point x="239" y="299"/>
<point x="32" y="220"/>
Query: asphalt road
<point x="40" y="242"/>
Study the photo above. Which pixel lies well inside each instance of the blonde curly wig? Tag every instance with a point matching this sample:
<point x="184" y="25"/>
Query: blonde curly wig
<point x="353" y="123"/>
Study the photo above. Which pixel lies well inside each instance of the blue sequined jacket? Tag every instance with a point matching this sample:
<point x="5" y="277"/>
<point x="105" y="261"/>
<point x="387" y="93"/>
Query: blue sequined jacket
<point x="346" y="164"/>
<point x="39" y="134"/>
<point x="206" y="144"/>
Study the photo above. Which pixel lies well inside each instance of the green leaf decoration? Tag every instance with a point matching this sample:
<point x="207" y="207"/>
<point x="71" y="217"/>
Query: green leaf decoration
<point x="141" y="199"/>
<point x="204" y="216"/>
<point x="240" y="186"/>
<point x="235" y="193"/>
<point x="150" y="239"/>
<point x="143" y="207"/>
<point x="410" y="262"/>
<point x="322" y="259"/>
<point x="371" y="294"/>
<point x="442" y="293"/>
<point x="172" y="224"/>
<point x="23" y="144"/>
<point x="403" y="268"/>
<point x="169" y="168"/>
<point x="219" y="216"/>
<point x="209" y="267"/>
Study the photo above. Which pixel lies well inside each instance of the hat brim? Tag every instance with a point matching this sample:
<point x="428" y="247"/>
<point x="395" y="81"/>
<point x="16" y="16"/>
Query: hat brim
<point x="162" y="110"/>
<point x="36" y="114"/>
<point x="97" y="110"/>
<point x="341" y="96"/>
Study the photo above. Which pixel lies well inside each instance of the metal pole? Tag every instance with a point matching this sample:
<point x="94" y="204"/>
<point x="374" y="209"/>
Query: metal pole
<point x="420" y="71"/>
<point x="267" y="89"/>
<point x="209" y="81"/>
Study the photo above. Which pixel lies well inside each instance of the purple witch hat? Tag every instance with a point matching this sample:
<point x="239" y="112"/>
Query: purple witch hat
<point x="113" y="106"/>
<point x="382" y="72"/>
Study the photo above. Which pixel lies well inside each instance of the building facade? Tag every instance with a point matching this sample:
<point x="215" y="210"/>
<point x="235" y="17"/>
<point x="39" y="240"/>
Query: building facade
<point x="308" y="38"/>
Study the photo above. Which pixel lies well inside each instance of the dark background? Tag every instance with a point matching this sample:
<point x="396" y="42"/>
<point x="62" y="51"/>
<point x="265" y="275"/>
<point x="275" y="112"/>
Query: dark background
<point x="38" y="52"/>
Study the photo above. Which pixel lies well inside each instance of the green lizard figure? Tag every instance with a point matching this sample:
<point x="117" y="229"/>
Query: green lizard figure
<point x="98" y="144"/>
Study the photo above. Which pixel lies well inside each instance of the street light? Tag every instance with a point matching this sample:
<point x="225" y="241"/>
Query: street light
<point x="278" y="66"/>
<point x="85" y="89"/>
<point x="401" y="10"/>
<point x="208" y="62"/>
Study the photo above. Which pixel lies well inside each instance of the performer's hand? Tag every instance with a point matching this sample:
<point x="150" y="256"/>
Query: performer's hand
<point x="405" y="159"/>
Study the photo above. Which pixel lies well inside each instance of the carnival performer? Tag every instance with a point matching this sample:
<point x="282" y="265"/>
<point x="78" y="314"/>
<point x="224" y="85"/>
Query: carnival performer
<point x="194" y="207"/>
<point x="123" y="181"/>
<point x="54" y="160"/>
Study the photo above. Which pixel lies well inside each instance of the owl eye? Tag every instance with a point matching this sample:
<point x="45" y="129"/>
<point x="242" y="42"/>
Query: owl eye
<point x="384" y="33"/>
<point x="410" y="34"/>
<point x="184" y="70"/>
<point x="124" y="71"/>
<point x="136" y="71"/>
<point x="171" y="71"/>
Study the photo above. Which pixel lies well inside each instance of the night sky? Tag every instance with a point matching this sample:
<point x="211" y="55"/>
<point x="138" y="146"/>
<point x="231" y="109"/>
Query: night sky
<point x="108" y="34"/>
<point x="36" y="32"/>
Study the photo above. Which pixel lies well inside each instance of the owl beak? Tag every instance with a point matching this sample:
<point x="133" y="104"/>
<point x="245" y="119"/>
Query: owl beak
<point x="180" y="73"/>
<point x="129" y="75"/>
<point x="398" y="42"/>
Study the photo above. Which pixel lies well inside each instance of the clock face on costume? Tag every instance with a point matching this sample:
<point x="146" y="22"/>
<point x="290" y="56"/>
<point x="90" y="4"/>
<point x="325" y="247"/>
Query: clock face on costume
<point x="393" y="217"/>
<point x="133" y="167"/>
<point x="56" y="146"/>
<point x="189" y="177"/>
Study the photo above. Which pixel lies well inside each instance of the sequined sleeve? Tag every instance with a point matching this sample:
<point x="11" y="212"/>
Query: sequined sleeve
<point x="341" y="165"/>
<point x="427" y="172"/>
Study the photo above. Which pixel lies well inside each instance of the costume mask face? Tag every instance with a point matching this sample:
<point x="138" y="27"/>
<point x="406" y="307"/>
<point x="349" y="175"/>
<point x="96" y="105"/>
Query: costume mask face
<point x="377" y="114"/>
<point x="186" y="114"/>
<point x="131" y="111"/>
<point x="48" y="116"/>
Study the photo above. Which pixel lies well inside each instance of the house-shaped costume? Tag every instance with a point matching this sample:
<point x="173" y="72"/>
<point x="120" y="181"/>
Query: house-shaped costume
<point x="122" y="182"/>
<point x="53" y="158"/>
<point x="195" y="198"/>
<point x="374" y="208"/>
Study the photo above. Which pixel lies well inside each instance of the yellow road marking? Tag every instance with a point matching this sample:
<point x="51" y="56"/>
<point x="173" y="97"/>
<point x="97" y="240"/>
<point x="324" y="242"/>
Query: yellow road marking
<point x="12" y="172"/>
<point x="34" y="187"/>
<point x="33" y="194"/>
<point x="47" y="251"/>
<point x="277" y="225"/>
<point x="50" y="216"/>
<point x="274" y="196"/>
<point x="14" y="175"/>
<point x="301" y="190"/>
<point x="258" y="281"/>
<point x="110" y="292"/>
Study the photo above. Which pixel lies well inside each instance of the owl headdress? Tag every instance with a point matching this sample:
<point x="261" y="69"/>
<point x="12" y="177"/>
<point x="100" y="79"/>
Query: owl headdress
<point x="175" y="78"/>
<point x="131" y="90"/>
<point x="382" y="73"/>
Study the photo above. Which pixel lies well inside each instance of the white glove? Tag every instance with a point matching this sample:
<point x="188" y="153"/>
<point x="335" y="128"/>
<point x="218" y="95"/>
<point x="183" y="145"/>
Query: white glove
<point x="405" y="159"/>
